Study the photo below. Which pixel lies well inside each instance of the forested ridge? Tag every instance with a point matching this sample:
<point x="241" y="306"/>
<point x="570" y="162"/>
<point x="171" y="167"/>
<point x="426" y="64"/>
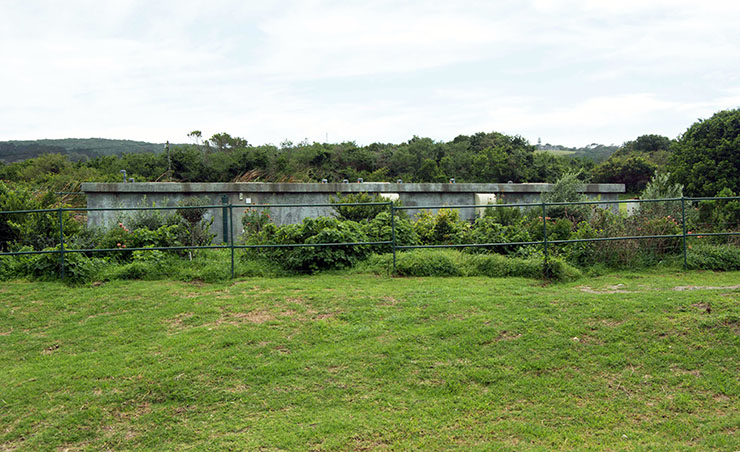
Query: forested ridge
<point x="74" y="148"/>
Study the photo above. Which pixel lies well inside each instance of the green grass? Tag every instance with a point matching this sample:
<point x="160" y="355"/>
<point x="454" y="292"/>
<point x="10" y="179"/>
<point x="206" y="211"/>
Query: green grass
<point x="628" y="361"/>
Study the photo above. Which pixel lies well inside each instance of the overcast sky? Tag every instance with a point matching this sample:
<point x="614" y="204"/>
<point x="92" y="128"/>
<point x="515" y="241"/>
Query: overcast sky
<point x="572" y="72"/>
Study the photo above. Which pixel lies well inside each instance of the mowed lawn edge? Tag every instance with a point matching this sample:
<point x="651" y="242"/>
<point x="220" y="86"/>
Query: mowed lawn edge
<point x="627" y="361"/>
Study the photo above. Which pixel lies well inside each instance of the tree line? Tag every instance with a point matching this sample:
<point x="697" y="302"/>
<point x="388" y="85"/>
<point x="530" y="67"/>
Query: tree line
<point x="705" y="159"/>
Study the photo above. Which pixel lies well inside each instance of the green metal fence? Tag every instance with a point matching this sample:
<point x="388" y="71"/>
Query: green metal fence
<point x="227" y="210"/>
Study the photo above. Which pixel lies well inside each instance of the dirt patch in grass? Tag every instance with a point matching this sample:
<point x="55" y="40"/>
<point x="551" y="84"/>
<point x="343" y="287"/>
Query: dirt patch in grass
<point x="177" y="322"/>
<point x="704" y="307"/>
<point x="256" y="317"/>
<point x="123" y="430"/>
<point x="389" y="301"/>
<point x="617" y="288"/>
<point x="682" y="288"/>
<point x="73" y="448"/>
<point x="50" y="349"/>
<point x="507" y="336"/>
<point x="236" y="318"/>
<point x="679" y="371"/>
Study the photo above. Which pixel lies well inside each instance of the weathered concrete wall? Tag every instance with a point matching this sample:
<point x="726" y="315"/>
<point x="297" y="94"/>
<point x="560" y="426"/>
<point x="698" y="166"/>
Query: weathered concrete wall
<point x="111" y="195"/>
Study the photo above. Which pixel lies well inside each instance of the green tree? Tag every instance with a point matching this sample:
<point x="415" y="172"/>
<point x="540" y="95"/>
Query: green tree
<point x="633" y="171"/>
<point x="225" y="142"/>
<point x="706" y="158"/>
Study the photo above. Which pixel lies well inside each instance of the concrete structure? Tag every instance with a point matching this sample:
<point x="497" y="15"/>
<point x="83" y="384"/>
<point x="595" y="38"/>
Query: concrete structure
<point x="107" y="195"/>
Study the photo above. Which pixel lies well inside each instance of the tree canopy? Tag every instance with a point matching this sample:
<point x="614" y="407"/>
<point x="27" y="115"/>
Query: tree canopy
<point x="706" y="158"/>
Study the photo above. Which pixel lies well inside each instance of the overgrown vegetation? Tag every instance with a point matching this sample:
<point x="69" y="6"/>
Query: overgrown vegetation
<point x="341" y="242"/>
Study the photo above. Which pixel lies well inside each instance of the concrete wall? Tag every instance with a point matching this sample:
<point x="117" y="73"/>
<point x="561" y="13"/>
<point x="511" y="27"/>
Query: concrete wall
<point x="108" y="195"/>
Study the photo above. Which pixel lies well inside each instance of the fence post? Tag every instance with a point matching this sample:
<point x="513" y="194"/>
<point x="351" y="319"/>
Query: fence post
<point x="231" y="237"/>
<point x="393" y="234"/>
<point x="224" y="217"/>
<point x="61" y="242"/>
<point x="683" y="225"/>
<point x="545" y="269"/>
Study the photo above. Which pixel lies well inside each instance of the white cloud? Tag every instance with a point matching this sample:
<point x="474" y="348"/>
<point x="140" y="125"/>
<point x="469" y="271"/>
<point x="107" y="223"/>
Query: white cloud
<point x="578" y="71"/>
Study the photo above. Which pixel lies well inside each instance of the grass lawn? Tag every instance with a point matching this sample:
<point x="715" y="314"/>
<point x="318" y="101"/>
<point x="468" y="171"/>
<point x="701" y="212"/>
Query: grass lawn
<point x="629" y="361"/>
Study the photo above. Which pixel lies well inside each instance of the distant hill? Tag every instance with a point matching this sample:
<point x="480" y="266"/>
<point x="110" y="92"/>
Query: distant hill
<point x="75" y="148"/>
<point x="596" y="152"/>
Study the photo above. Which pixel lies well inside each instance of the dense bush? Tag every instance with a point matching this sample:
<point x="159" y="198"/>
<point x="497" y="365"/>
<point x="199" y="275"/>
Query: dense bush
<point x="506" y="216"/>
<point x="633" y="171"/>
<point x="255" y="219"/>
<point x="444" y="228"/>
<point x="358" y="213"/>
<point x="488" y="230"/>
<point x="146" y="264"/>
<point x="661" y="187"/>
<point x="38" y="230"/>
<point x="379" y="229"/>
<point x="198" y="227"/>
<point x="78" y="268"/>
<point x="308" y="259"/>
<point x="626" y="252"/>
<point x="429" y="263"/>
<point x="705" y="158"/>
<point x="432" y="262"/>
<point x="566" y="189"/>
<point x="720" y="215"/>
<point x="713" y="257"/>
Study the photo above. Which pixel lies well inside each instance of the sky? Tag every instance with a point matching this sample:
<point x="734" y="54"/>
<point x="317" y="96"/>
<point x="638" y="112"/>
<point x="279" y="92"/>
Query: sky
<point x="570" y="72"/>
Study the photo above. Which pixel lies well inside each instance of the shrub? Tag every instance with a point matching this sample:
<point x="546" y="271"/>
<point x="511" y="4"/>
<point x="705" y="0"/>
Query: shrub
<point x="78" y="268"/>
<point x="713" y="257"/>
<point x="14" y="266"/>
<point x="310" y="259"/>
<point x="38" y="230"/>
<point x="533" y="267"/>
<point x="379" y="230"/>
<point x="358" y="213"/>
<point x="559" y="270"/>
<point x="429" y="263"/>
<point x="488" y="230"/>
<point x="122" y="238"/>
<point x="566" y="189"/>
<point x="656" y="248"/>
<point x="442" y="229"/>
<point x="254" y="220"/>
<point x="660" y="187"/>
<point x="506" y="216"/>
<point x="581" y="254"/>
<point x="198" y="228"/>
<point x="557" y="228"/>
<point x="149" y="219"/>
<point x="721" y="215"/>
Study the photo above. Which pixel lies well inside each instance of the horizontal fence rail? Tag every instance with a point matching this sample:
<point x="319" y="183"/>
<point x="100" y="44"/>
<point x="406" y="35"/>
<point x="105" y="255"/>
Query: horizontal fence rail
<point x="228" y="220"/>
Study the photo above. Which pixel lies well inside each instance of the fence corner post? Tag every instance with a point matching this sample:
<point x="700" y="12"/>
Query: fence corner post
<point x="393" y="234"/>
<point x="683" y="226"/>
